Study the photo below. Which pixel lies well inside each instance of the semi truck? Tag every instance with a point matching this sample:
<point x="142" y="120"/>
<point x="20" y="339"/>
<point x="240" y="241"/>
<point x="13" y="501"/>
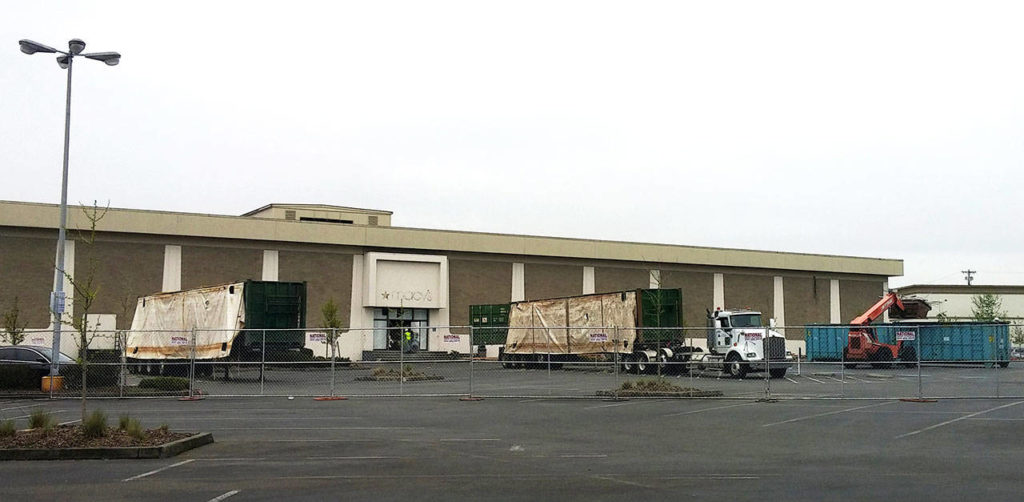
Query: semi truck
<point x="739" y="343"/>
<point x="238" y="321"/>
<point x="639" y="329"/>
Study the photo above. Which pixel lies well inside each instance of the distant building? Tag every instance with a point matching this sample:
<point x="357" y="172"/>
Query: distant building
<point x="953" y="301"/>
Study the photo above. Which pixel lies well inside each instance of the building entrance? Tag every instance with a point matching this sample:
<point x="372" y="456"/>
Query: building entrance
<point x="391" y="324"/>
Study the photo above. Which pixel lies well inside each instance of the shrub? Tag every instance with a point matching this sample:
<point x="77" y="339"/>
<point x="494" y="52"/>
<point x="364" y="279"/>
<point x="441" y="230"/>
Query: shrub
<point x="164" y="428"/>
<point x="7" y="428"/>
<point x="40" y="419"/>
<point x="164" y="383"/>
<point x="95" y="425"/>
<point x="134" y="428"/>
<point x="104" y="375"/>
<point x="123" y="421"/>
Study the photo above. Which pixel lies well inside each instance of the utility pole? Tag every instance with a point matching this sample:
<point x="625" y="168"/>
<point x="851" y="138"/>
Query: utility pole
<point x="969" y="275"/>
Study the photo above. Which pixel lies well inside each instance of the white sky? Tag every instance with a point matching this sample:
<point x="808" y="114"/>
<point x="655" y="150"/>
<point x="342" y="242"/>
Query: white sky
<point x="884" y="129"/>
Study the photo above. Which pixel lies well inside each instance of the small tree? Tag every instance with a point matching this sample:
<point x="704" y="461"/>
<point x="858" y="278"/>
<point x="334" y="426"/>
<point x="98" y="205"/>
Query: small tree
<point x="986" y="307"/>
<point x="1017" y="338"/>
<point x="85" y="292"/>
<point x="332" y="323"/>
<point x="14" y="327"/>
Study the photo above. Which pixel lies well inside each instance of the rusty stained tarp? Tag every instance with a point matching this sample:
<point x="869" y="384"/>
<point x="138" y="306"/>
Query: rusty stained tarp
<point x="576" y="325"/>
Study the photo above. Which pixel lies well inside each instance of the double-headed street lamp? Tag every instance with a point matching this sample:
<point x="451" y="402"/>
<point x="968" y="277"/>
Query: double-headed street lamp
<point x="65" y="59"/>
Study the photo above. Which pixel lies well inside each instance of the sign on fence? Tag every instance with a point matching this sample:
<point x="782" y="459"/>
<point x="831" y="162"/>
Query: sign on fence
<point x="179" y="340"/>
<point x="598" y="337"/>
<point x="318" y="337"/>
<point x="452" y="338"/>
<point x="906" y="336"/>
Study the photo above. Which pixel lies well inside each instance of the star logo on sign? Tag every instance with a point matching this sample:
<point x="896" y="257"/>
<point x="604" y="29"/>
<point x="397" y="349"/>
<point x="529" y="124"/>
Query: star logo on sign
<point x="385" y="295"/>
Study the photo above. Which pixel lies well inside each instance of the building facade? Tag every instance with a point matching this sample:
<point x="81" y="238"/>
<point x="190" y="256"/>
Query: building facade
<point x="355" y="257"/>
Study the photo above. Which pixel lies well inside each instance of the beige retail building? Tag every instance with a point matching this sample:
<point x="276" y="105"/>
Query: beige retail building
<point x="367" y="266"/>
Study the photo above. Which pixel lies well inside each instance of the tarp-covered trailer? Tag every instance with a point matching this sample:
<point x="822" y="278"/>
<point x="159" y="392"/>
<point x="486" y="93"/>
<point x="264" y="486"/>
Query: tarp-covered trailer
<point x="230" y="321"/>
<point x="622" y="322"/>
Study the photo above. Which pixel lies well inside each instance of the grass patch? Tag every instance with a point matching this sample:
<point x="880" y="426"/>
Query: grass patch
<point x="654" y="388"/>
<point x="7" y="429"/>
<point x="40" y="419"/>
<point x="95" y="425"/>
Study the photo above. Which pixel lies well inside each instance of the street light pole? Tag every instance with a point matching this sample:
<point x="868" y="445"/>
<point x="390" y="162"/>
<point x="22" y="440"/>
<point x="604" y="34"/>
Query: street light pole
<point x="65" y="60"/>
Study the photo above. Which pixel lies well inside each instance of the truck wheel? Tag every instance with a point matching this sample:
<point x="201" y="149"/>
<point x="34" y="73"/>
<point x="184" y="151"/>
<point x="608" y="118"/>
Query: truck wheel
<point x="735" y="366"/>
<point x="777" y="372"/>
<point x="643" y="363"/>
<point x="1003" y="364"/>
<point x="506" y="361"/>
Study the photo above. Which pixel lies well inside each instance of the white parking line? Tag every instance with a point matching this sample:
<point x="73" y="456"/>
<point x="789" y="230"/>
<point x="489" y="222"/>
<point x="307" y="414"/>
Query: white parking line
<point x="150" y="473"/>
<point x="814" y="379"/>
<point x="313" y="428"/>
<point x="947" y="422"/>
<point x="21" y="407"/>
<point x="224" y="496"/>
<point x="827" y="414"/>
<point x="583" y="455"/>
<point x="790" y="379"/>
<point x="707" y="409"/>
<point x="611" y="405"/>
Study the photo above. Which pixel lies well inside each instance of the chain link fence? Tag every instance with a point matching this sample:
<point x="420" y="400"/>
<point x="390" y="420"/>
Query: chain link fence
<point x="817" y="362"/>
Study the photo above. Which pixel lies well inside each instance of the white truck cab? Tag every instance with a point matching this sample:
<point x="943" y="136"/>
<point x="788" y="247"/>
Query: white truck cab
<point x="737" y="342"/>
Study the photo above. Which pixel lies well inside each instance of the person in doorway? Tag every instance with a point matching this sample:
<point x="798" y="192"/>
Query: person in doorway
<point x="409" y="341"/>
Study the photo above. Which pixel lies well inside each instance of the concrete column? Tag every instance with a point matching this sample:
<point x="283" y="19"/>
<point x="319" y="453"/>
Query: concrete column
<point x="835" y="315"/>
<point x="779" y="303"/>
<point x="518" y="282"/>
<point x="588" y="280"/>
<point x="885" y="291"/>
<point x="719" y="292"/>
<point x="655" y="276"/>
<point x="172" y="268"/>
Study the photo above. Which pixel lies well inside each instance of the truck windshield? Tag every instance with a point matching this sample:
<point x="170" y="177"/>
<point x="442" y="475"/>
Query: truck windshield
<point x="746" y="321"/>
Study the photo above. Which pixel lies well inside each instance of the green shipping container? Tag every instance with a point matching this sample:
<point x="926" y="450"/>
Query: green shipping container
<point x="490" y="323"/>
<point x="277" y="307"/>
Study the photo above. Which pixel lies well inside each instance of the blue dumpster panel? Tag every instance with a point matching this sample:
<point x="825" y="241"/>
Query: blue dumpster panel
<point x="955" y="342"/>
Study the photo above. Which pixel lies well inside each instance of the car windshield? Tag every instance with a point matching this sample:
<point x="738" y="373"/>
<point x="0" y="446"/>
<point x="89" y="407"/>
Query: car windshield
<point x="745" y="320"/>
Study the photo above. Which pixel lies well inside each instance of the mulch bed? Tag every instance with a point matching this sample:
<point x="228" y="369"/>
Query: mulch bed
<point x="70" y="436"/>
<point x="675" y="393"/>
<point x="395" y="378"/>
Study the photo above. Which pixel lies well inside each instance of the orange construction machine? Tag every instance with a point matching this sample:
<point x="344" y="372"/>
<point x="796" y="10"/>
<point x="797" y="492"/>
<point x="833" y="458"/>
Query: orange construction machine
<point x="862" y="345"/>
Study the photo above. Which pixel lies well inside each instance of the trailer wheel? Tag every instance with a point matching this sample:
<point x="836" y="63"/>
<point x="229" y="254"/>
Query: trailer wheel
<point x="1003" y="364"/>
<point x="909" y="356"/>
<point x="628" y="363"/>
<point x="735" y="366"/>
<point x="777" y="372"/>
<point x="643" y="363"/>
<point x="847" y="364"/>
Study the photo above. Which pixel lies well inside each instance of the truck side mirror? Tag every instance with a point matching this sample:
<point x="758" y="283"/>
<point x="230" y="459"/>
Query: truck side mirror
<point x="771" y="322"/>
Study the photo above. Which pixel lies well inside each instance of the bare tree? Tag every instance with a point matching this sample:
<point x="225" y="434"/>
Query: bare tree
<point x="332" y="323"/>
<point x="14" y="327"/>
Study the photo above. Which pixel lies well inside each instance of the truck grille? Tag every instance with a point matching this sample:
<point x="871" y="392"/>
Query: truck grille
<point x="776" y="348"/>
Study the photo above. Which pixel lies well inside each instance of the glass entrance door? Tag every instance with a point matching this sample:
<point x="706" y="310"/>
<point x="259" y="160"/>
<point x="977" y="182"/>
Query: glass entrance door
<point x="391" y="324"/>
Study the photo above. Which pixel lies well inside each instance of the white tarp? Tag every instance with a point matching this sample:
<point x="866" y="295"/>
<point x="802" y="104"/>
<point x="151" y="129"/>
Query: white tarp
<point x="576" y="325"/>
<point x="162" y="326"/>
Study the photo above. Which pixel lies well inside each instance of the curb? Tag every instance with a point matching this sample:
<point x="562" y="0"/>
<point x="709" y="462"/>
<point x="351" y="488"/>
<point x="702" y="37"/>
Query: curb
<point x="163" y="451"/>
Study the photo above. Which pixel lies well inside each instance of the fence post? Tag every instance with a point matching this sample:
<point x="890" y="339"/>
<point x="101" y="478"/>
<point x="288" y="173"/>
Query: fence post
<point x="472" y="340"/>
<point x="263" y="360"/>
<point x="401" y="362"/>
<point x="842" y="368"/>
<point x="767" y="362"/>
<point x="334" y="341"/>
<point x="799" y="356"/>
<point x="192" y="366"/>
<point x="615" y="357"/>
<point x="920" y="388"/>
<point x="122" y="340"/>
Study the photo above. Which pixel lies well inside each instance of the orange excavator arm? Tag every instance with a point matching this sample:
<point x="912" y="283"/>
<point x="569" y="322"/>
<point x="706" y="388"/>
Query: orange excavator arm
<point x="878" y="309"/>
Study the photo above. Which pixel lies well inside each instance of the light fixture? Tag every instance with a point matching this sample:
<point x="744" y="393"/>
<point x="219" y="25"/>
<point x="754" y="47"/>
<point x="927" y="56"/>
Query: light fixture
<point x="30" y="47"/>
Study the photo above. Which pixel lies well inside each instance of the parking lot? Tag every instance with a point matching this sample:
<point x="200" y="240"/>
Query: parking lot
<point x="489" y="379"/>
<point x="537" y="448"/>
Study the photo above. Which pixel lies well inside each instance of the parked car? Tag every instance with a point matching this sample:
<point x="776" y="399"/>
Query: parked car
<point x="1017" y="354"/>
<point x="34" y="357"/>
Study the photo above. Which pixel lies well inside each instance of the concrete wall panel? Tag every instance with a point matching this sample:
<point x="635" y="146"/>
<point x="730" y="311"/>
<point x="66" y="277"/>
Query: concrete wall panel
<point x="474" y="282"/>
<point x="750" y="291"/>
<point x="122" y="272"/>
<point x="26" y="272"/>
<point x="608" y="279"/>
<point x="856" y="296"/>
<point x="697" y="294"/>
<point x="553" y="281"/>
<point x="807" y="300"/>
<point x="209" y="266"/>
<point x="327" y="275"/>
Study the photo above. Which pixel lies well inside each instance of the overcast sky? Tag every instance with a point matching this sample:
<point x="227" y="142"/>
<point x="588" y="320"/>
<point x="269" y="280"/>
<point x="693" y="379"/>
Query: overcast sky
<point x="883" y="129"/>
